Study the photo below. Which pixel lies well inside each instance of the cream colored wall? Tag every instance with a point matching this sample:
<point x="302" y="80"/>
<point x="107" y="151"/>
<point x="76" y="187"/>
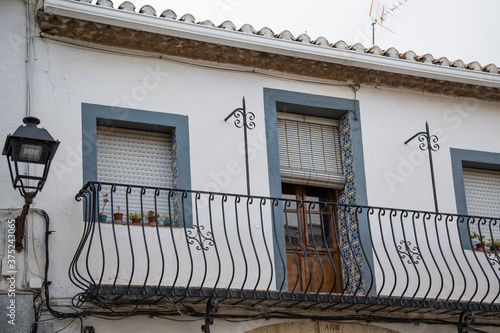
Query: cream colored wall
<point x="398" y="175"/>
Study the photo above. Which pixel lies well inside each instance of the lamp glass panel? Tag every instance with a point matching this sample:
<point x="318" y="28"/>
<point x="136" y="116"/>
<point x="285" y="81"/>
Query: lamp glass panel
<point x="30" y="153"/>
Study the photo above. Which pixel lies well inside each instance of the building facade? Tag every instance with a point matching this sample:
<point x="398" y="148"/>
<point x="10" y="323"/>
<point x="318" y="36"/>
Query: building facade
<point x="277" y="171"/>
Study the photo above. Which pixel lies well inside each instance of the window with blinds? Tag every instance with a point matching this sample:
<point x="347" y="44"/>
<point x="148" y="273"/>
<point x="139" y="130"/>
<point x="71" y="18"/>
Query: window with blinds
<point x="309" y="151"/>
<point x="482" y="195"/>
<point x="136" y="157"/>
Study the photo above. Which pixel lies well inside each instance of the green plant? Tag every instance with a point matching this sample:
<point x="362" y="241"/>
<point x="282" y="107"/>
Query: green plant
<point x="135" y="216"/>
<point x="105" y="200"/>
<point x="476" y="236"/>
<point x="118" y="207"/>
<point x="495" y="243"/>
<point x="152" y="214"/>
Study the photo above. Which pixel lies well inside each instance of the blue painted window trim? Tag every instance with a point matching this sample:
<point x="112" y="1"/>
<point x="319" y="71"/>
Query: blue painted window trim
<point x="319" y="106"/>
<point x="461" y="158"/>
<point x="94" y="114"/>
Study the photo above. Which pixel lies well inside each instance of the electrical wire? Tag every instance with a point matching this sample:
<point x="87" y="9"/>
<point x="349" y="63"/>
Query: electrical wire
<point x="62" y="329"/>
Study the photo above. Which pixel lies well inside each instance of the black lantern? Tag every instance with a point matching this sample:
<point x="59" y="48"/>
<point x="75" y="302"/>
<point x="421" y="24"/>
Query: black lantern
<point x="29" y="145"/>
<point x="28" y="150"/>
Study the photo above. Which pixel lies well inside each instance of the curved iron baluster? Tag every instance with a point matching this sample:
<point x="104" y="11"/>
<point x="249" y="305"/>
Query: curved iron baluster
<point x="74" y="274"/>
<point x="276" y="203"/>
<point x="171" y="196"/>
<point x="132" y="255"/>
<point x="143" y="192"/>
<point x="156" y="195"/>
<point x="237" y="200"/>
<point x="183" y="214"/>
<point x="111" y="192"/>
<point x="249" y="202"/>
<point x="416" y="215"/>
<point x="200" y="239"/>
<point x="439" y="217"/>
<point x="312" y="205"/>
<point x="407" y="252"/>
<point x="300" y="206"/>
<point x="288" y="203"/>
<point x="95" y="205"/>
<point x="262" y="203"/>
<point x="483" y="222"/>
<point x="427" y="218"/>
<point x="233" y="267"/>
<point x="359" y="211"/>
<point x="211" y="198"/>
<point x="448" y="220"/>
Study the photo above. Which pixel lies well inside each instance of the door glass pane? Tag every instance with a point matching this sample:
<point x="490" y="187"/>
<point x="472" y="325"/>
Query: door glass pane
<point x="319" y="221"/>
<point x="292" y="229"/>
<point x="320" y="230"/>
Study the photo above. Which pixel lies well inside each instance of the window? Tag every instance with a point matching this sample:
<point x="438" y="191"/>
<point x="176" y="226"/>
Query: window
<point x="482" y="193"/>
<point x="476" y="179"/>
<point x="309" y="151"/>
<point x="135" y="157"/>
<point x="116" y="147"/>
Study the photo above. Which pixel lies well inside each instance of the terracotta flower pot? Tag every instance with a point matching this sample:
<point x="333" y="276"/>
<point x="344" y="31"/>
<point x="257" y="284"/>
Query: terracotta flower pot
<point x="136" y="220"/>
<point x="152" y="220"/>
<point x="479" y="246"/>
<point x="118" y="217"/>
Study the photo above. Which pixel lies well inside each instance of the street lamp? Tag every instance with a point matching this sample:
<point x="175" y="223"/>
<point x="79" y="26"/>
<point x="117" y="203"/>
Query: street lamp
<point x="27" y="148"/>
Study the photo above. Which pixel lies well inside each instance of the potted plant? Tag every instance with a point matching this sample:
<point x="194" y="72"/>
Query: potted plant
<point x="152" y="217"/>
<point x="135" y="217"/>
<point x="479" y="242"/>
<point x="105" y="200"/>
<point x="494" y="245"/>
<point x="166" y="219"/>
<point x="118" y="217"/>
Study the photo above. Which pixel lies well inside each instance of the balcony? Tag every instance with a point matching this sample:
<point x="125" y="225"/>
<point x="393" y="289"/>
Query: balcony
<point x="322" y="259"/>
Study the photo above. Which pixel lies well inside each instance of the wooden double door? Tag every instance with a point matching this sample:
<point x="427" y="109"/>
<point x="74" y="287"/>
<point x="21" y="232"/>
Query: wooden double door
<point x="313" y="262"/>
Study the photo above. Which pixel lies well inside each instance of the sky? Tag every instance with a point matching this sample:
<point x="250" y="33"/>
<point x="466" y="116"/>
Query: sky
<point x="457" y="29"/>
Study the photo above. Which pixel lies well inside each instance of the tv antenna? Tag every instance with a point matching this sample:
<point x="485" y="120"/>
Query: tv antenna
<point x="379" y="11"/>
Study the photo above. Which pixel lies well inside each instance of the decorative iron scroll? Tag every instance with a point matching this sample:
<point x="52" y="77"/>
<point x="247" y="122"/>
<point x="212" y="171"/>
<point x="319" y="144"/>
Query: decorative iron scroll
<point x="428" y="142"/>
<point x="246" y="122"/>
<point x="413" y="254"/>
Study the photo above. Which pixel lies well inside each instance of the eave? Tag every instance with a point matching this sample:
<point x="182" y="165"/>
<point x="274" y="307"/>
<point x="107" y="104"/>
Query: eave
<point x="119" y="28"/>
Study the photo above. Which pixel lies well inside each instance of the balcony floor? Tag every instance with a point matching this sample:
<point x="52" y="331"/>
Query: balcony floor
<point x="297" y="305"/>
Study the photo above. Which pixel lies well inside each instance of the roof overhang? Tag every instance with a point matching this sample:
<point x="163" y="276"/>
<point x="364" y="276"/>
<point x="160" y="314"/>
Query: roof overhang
<point x="92" y="23"/>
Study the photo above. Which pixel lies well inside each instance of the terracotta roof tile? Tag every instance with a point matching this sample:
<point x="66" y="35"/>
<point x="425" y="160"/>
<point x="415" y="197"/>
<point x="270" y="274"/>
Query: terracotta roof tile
<point x="341" y="45"/>
<point x="304" y="38"/>
<point x="265" y="32"/>
<point x="285" y="34"/>
<point x="169" y="14"/>
<point x="187" y="18"/>
<point x="128" y="6"/>
<point x="321" y="41"/>
<point x="228" y="25"/>
<point x="148" y="10"/>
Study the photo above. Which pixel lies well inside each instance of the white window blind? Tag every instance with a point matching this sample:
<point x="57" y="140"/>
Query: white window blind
<point x="309" y="151"/>
<point x="482" y="193"/>
<point x="135" y="157"/>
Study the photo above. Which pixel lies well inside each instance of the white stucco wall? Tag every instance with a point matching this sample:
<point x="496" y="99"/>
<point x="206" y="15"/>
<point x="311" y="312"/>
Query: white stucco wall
<point x="64" y="76"/>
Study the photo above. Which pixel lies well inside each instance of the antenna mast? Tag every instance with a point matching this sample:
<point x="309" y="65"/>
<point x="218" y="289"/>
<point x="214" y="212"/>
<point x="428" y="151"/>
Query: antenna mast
<point x="378" y="11"/>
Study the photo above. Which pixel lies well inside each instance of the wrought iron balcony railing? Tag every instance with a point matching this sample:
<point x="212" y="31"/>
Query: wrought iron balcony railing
<point x="272" y="252"/>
